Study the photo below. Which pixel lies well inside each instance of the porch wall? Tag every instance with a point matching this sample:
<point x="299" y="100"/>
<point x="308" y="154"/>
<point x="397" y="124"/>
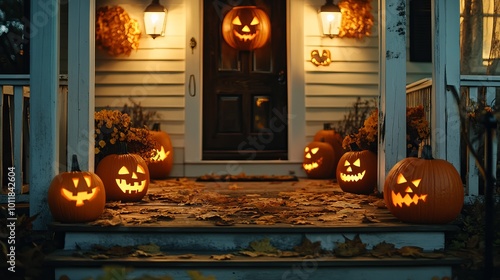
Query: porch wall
<point x="154" y="75"/>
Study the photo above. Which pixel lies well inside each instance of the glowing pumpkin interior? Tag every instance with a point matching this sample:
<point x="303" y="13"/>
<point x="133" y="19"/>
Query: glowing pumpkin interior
<point x="131" y="181"/>
<point x="310" y="154"/>
<point x="80" y="196"/>
<point x="409" y="196"/>
<point x="160" y="155"/>
<point x="352" y="172"/>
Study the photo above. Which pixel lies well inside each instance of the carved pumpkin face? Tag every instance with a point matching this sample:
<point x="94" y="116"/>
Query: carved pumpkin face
<point x="408" y="192"/>
<point x="424" y="191"/>
<point x="329" y="136"/>
<point x="357" y="172"/>
<point x="125" y="177"/>
<point x="318" y="160"/>
<point x="161" y="163"/>
<point x="76" y="196"/>
<point x="246" y="28"/>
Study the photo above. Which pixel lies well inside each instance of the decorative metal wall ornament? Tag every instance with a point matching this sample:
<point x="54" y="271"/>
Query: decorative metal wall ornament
<point x="323" y="60"/>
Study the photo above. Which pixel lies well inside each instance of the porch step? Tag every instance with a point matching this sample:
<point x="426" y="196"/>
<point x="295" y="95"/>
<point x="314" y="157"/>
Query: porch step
<point x="188" y="250"/>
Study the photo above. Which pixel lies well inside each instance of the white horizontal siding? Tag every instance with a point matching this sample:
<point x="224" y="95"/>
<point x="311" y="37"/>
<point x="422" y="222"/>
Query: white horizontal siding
<point x="152" y="76"/>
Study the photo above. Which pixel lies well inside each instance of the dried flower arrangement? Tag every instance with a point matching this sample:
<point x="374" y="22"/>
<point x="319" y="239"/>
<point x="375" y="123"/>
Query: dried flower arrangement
<point x="115" y="31"/>
<point x="357" y="19"/>
<point x="366" y="137"/>
<point x="113" y="127"/>
<point x="139" y="116"/>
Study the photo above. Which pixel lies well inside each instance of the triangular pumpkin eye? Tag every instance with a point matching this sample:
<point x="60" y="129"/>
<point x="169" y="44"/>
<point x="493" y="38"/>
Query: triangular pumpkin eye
<point x="237" y="21"/>
<point x="401" y="179"/>
<point x="416" y="182"/>
<point x="75" y="182"/>
<point x="314" y="150"/>
<point x="347" y="163"/>
<point x="123" y="171"/>
<point x="140" y="169"/>
<point x="357" y="163"/>
<point x="255" y="21"/>
<point x="306" y="149"/>
<point x="87" y="180"/>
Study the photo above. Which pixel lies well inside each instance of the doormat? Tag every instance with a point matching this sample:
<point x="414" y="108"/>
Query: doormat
<point x="246" y="178"/>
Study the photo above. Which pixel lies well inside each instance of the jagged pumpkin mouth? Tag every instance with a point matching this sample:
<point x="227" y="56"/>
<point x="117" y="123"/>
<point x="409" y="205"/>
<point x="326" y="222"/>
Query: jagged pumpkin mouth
<point x="79" y="197"/>
<point x="130" y="188"/>
<point x="399" y="200"/>
<point x="312" y="165"/>
<point x="352" y="177"/>
<point x="247" y="36"/>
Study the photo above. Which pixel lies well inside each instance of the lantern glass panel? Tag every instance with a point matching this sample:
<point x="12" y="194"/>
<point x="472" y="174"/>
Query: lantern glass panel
<point x="330" y="22"/>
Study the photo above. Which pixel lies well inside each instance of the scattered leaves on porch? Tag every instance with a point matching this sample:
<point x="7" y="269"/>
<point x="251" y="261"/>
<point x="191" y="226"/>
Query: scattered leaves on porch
<point x="261" y="247"/>
<point x="350" y="248"/>
<point x="222" y="257"/>
<point x="383" y="250"/>
<point x="411" y="251"/>
<point x="308" y="248"/>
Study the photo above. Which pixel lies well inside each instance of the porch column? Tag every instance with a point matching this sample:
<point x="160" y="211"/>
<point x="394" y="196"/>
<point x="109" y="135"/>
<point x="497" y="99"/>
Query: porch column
<point x="392" y="102"/>
<point x="81" y="84"/>
<point x="446" y="62"/>
<point x="44" y="85"/>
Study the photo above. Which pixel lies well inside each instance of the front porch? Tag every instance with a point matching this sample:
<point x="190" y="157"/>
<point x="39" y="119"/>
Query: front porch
<point x="248" y="230"/>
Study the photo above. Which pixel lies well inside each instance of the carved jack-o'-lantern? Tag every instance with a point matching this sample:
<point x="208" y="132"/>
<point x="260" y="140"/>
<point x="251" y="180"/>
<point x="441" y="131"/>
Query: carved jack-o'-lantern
<point x="125" y="176"/>
<point x="424" y="190"/>
<point x="328" y="135"/>
<point x="318" y="160"/>
<point x="160" y="164"/>
<point x="357" y="172"/>
<point x="76" y="196"/>
<point x="246" y="28"/>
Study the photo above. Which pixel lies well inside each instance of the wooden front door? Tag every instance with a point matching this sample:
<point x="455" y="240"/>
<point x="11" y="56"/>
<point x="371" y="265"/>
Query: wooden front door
<point x="244" y="92"/>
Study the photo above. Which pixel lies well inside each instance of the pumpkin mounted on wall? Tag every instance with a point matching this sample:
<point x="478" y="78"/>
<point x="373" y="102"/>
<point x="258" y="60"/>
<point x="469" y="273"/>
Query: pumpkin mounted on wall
<point x="76" y="196"/>
<point x="424" y="190"/>
<point x="357" y="172"/>
<point x="246" y="28"/>
<point x="125" y="176"/>
<point x="160" y="164"/>
<point x="318" y="160"/>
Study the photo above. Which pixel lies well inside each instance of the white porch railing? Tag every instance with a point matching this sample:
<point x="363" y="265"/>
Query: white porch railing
<point x="14" y="125"/>
<point x="473" y="88"/>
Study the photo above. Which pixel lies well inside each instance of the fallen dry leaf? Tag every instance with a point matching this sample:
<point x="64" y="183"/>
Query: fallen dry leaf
<point x="411" y="251"/>
<point x="383" y="249"/>
<point x="222" y="257"/>
<point x="350" y="248"/>
<point x="308" y="248"/>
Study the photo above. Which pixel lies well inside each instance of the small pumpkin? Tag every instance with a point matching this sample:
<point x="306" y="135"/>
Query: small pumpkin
<point x="357" y="172"/>
<point x="246" y="28"/>
<point x="424" y="190"/>
<point x="76" y="196"/>
<point x="318" y="160"/>
<point x="328" y="135"/>
<point x="160" y="164"/>
<point x="125" y="176"/>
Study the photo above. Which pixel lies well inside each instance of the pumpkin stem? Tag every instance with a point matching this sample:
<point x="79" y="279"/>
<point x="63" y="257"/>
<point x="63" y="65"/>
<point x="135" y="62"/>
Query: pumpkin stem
<point x="426" y="152"/>
<point x="75" y="166"/>
<point x="123" y="149"/>
<point x="156" y="127"/>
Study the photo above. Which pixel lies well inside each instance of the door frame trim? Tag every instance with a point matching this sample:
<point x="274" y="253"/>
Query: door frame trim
<point x="295" y="85"/>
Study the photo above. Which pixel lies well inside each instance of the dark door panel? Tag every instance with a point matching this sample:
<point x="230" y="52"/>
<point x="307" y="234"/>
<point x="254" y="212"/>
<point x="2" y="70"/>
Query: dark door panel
<point x="244" y="92"/>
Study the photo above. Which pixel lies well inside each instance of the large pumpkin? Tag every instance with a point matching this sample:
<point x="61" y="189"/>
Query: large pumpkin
<point x="328" y="135"/>
<point x="318" y="160"/>
<point x="160" y="164"/>
<point x="125" y="176"/>
<point x="424" y="190"/>
<point x="76" y="196"/>
<point x="357" y="172"/>
<point x="246" y="28"/>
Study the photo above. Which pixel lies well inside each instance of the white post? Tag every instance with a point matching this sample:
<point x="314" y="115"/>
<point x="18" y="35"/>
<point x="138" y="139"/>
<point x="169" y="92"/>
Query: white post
<point x="44" y="82"/>
<point x="392" y="103"/>
<point x="81" y="85"/>
<point x="446" y="72"/>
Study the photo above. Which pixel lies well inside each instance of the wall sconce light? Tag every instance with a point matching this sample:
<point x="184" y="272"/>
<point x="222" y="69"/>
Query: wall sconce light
<point x="331" y="18"/>
<point x="155" y="18"/>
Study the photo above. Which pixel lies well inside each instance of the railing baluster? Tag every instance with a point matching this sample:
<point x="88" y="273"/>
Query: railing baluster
<point x="472" y="169"/>
<point x="2" y="168"/>
<point x="18" y="136"/>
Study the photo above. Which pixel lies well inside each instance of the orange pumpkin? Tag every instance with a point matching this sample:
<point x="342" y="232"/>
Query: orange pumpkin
<point x="76" y="196"/>
<point x="328" y="135"/>
<point x="160" y="164"/>
<point x="424" y="190"/>
<point x="318" y="160"/>
<point x="357" y="172"/>
<point x="246" y="28"/>
<point x="125" y="176"/>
